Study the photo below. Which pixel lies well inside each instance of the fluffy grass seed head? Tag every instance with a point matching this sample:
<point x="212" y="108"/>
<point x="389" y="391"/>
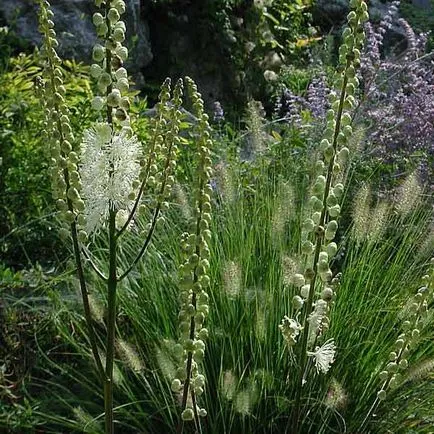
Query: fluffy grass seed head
<point x="409" y="195"/>
<point x="228" y="385"/>
<point x="378" y="221"/>
<point x="109" y="166"/>
<point x="362" y="213"/>
<point x="129" y="355"/>
<point x="232" y="279"/>
<point x="282" y="212"/>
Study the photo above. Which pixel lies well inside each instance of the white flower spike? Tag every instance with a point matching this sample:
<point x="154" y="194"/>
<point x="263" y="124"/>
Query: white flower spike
<point x="109" y="166"/>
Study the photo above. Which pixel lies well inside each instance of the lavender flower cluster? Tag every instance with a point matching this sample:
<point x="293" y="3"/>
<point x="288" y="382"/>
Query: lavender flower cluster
<point x="399" y="97"/>
<point x="289" y="106"/>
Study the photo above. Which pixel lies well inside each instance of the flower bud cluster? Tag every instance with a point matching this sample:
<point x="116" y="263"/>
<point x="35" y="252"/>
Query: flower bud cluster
<point x="109" y="58"/>
<point x="66" y="183"/>
<point x="157" y="173"/>
<point x="166" y="150"/>
<point x="320" y="228"/>
<point x="398" y="358"/>
<point x="194" y="272"/>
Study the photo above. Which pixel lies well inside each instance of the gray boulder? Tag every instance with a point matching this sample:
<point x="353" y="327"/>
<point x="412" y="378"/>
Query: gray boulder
<point x="76" y="33"/>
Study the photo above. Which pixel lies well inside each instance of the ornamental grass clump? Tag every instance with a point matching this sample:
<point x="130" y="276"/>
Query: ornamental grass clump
<point x="394" y="373"/>
<point x="106" y="184"/>
<point x="305" y="332"/>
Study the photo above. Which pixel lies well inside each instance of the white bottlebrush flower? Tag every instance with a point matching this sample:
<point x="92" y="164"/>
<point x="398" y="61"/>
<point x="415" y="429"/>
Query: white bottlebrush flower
<point x="109" y="166"/>
<point x="324" y="356"/>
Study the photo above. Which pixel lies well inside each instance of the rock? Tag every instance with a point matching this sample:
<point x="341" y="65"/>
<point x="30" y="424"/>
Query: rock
<point x="76" y="33"/>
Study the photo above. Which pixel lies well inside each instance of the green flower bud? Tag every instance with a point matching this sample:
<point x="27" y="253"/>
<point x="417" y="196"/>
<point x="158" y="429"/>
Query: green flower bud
<point x="344" y="154"/>
<point x="332" y="249"/>
<point x="120" y="6"/>
<point x="114" y="98"/>
<point x="298" y="280"/>
<point x="187" y="415"/>
<point x="338" y="190"/>
<point x="308" y="225"/>
<point x="64" y="233"/>
<point x="297" y="302"/>
<point x="331" y="200"/>
<point x="113" y="15"/>
<point x="399" y="344"/>
<point x="392" y="367"/>
<point x="123" y="85"/>
<point x="381" y="395"/>
<point x="95" y="70"/>
<point x="118" y="35"/>
<point x="384" y="375"/>
<point x="102" y="29"/>
<point x="329" y="153"/>
<point x="97" y="19"/>
<point x="332" y="226"/>
<point x="403" y="364"/>
<point x="176" y="385"/>
<point x="199" y="355"/>
<point x="122" y="52"/>
<point x="334" y="211"/>
<point x="316" y="217"/>
<point x="104" y="80"/>
<point x="307" y="247"/>
<point x="203" y="334"/>
<point x="202" y="412"/>
<point x="327" y="294"/>
<point x="323" y="266"/>
<point x="324" y="144"/>
<point x="97" y="103"/>
<point x="392" y="356"/>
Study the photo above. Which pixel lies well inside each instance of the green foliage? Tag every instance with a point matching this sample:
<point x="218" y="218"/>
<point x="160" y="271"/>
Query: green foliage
<point x="26" y="198"/>
<point x="249" y="382"/>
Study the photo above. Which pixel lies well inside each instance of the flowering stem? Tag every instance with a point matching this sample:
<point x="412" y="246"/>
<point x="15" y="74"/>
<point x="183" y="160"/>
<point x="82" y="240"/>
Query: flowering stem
<point x="74" y="235"/>
<point x="111" y="325"/>
<point x="319" y="241"/>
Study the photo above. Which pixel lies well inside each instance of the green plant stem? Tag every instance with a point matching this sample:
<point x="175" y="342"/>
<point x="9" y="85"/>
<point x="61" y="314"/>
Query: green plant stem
<point x="111" y="326"/>
<point x="319" y="241"/>
<point x="85" y="298"/>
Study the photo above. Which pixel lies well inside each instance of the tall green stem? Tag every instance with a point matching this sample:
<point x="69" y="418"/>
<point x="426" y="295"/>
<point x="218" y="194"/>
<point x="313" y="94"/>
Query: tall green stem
<point x="111" y="326"/>
<point x="319" y="241"/>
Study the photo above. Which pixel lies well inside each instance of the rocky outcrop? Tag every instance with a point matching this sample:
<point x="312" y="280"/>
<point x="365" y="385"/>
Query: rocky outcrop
<point x="76" y="33"/>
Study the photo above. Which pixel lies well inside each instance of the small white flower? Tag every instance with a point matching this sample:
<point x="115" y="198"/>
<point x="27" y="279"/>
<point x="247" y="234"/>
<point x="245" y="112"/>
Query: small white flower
<point x="324" y="356"/>
<point x="290" y="329"/>
<point x="315" y="319"/>
<point x="109" y="166"/>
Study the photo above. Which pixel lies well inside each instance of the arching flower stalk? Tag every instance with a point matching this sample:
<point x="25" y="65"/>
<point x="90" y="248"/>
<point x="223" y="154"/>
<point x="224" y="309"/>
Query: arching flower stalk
<point x="195" y="280"/>
<point x="414" y="312"/>
<point x="320" y="228"/>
